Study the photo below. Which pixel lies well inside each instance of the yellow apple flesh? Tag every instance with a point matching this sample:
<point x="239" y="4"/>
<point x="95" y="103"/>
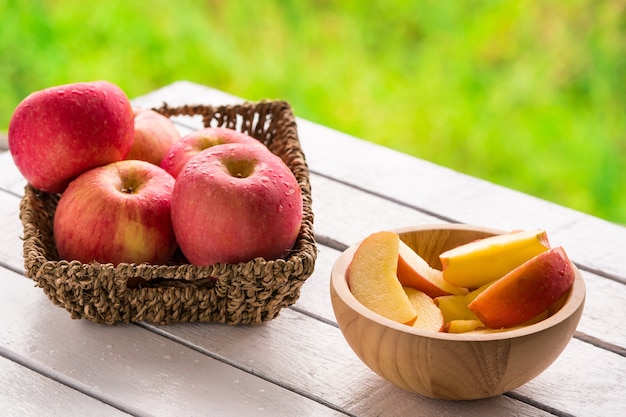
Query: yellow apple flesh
<point x="454" y="307"/>
<point x="463" y="326"/>
<point x="429" y="316"/>
<point x="415" y="272"/>
<point x="482" y="261"/>
<point x="526" y="291"/>
<point x="373" y="280"/>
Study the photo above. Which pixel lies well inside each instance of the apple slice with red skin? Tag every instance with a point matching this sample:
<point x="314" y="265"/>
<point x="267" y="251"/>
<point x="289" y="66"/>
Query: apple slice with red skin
<point x="373" y="280"/>
<point x="415" y="272"/>
<point x="479" y="262"/>
<point x="526" y="291"/>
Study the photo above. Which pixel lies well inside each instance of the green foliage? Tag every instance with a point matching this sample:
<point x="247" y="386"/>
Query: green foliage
<point x="530" y="95"/>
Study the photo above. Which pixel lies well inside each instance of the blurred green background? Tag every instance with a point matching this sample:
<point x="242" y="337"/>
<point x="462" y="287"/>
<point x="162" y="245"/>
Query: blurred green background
<point x="530" y="95"/>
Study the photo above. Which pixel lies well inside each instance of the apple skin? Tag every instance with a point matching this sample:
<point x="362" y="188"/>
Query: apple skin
<point x="60" y="132"/>
<point x="485" y="260"/>
<point x="414" y="271"/>
<point x="117" y="213"/>
<point x="526" y="291"/>
<point x="236" y="202"/>
<point x="154" y="135"/>
<point x="194" y="143"/>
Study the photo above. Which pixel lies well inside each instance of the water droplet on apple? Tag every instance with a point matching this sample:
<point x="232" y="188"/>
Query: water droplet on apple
<point x="279" y="208"/>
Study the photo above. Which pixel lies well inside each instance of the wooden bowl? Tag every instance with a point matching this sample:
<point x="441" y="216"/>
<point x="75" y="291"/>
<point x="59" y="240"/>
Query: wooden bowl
<point x="450" y="366"/>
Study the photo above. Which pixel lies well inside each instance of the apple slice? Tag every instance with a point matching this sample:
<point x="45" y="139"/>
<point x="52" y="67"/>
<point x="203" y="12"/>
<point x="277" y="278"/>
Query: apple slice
<point x="414" y="271"/>
<point x="463" y="326"/>
<point x="373" y="280"/>
<point x="454" y="307"/>
<point x="429" y="316"/>
<point x="526" y="291"/>
<point x="541" y="316"/>
<point x="485" y="260"/>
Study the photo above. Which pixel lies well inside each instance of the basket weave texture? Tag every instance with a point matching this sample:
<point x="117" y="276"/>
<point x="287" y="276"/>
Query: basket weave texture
<point x="245" y="293"/>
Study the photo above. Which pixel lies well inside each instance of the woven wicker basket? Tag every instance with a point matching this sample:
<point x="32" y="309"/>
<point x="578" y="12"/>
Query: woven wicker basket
<point x="246" y="293"/>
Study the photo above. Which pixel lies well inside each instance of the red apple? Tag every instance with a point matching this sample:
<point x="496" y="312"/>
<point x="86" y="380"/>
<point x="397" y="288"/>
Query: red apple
<point x="194" y="143"/>
<point x="154" y="135"/>
<point x="117" y="213"/>
<point x="58" y="133"/>
<point x="526" y="291"/>
<point x="235" y="202"/>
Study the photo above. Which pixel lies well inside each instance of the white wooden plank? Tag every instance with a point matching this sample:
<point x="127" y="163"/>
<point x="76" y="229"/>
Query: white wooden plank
<point x="312" y="356"/>
<point x="604" y="240"/>
<point x="349" y="215"/>
<point x="131" y="367"/>
<point x="337" y="375"/>
<point x="583" y="389"/>
<point x="11" y="232"/>
<point x="11" y="179"/>
<point x="25" y="393"/>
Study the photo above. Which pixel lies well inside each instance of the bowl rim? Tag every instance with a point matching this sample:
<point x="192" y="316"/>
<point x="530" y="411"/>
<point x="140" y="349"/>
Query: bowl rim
<point x="339" y="283"/>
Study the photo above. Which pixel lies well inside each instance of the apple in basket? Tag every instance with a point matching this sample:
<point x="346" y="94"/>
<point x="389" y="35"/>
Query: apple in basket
<point x="154" y="135"/>
<point x="236" y="202"/>
<point x="60" y="132"/>
<point x="194" y="143"/>
<point x="117" y="213"/>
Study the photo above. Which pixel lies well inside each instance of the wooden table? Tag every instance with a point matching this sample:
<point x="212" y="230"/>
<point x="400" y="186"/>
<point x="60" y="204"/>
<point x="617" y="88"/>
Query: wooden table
<point x="299" y="364"/>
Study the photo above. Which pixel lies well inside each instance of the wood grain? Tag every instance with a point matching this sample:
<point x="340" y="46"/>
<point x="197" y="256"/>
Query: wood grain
<point x="27" y="393"/>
